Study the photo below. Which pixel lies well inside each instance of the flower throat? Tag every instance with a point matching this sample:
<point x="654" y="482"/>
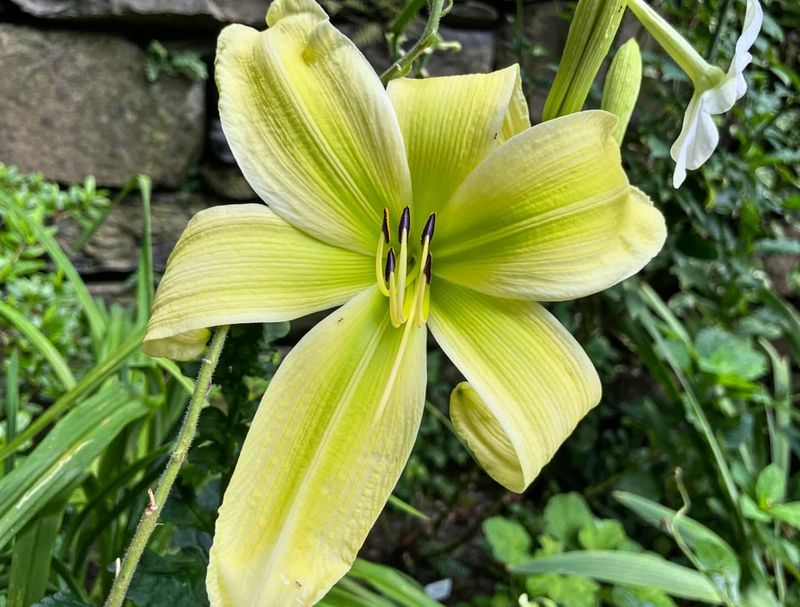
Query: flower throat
<point x="408" y="293"/>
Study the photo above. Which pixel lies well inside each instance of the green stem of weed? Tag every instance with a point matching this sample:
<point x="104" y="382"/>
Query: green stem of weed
<point x="149" y="519"/>
<point x="402" y="66"/>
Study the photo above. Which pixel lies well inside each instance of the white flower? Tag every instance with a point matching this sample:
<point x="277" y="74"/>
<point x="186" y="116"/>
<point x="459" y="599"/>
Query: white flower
<point x="699" y="136"/>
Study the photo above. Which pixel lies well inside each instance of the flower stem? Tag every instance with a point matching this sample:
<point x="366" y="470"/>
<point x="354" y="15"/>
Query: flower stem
<point x="149" y="519"/>
<point x="403" y="65"/>
<point x="702" y="74"/>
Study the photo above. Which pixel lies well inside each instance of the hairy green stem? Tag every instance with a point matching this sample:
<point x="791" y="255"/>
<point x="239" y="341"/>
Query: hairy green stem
<point x="403" y="65"/>
<point x="149" y="519"/>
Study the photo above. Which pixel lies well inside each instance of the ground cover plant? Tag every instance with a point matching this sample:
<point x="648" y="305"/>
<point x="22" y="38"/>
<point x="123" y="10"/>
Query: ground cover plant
<point x="680" y="488"/>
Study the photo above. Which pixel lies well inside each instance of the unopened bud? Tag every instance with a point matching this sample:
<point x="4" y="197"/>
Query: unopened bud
<point x="621" y="88"/>
<point x="591" y="33"/>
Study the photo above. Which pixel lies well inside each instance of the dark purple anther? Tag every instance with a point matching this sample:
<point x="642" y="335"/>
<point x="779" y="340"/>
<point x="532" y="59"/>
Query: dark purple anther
<point x="427" y="269"/>
<point x="427" y="231"/>
<point x="391" y="262"/>
<point x="405" y="223"/>
<point x="385" y="226"/>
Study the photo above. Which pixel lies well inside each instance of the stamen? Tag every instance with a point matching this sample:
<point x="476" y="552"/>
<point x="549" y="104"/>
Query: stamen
<point x="391" y="264"/>
<point x="405" y="223"/>
<point x="395" y="300"/>
<point x="385" y="226"/>
<point x="383" y="240"/>
<point x="422" y="299"/>
<point x="427" y="269"/>
<point x="402" y="236"/>
<point x="427" y="231"/>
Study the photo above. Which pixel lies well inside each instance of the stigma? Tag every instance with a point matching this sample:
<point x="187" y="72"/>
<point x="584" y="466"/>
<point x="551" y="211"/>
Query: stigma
<point x="405" y="277"/>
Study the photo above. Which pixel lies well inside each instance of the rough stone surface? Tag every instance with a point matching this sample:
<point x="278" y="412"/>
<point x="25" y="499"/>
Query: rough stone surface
<point x="114" y="248"/>
<point x="74" y="104"/>
<point x="227" y="182"/>
<point x="544" y="32"/>
<point x="209" y="11"/>
<point x="477" y="54"/>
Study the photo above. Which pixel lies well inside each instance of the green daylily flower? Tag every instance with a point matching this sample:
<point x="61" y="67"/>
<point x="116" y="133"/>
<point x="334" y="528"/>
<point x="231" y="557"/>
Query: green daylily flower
<point x="432" y="204"/>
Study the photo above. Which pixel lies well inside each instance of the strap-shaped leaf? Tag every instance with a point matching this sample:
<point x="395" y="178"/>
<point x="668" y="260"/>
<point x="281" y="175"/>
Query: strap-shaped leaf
<point x="629" y="569"/>
<point x="63" y="456"/>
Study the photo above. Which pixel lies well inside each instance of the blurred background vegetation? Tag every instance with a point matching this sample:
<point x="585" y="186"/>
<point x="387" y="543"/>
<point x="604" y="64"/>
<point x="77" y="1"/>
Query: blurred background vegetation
<point x="681" y="488"/>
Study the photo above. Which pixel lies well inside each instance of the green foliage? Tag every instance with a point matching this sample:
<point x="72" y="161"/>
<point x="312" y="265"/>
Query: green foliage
<point x="186" y="64"/>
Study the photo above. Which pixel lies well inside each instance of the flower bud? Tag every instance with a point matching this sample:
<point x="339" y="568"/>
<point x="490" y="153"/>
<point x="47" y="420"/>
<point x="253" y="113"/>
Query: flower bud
<point x="590" y="36"/>
<point x="621" y="87"/>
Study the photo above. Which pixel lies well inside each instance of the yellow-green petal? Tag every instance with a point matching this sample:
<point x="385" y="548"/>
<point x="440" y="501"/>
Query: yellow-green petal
<point x="311" y="126"/>
<point x="549" y="216"/>
<point x="450" y="124"/>
<point x="240" y="264"/>
<point x="530" y="382"/>
<point x="324" y="452"/>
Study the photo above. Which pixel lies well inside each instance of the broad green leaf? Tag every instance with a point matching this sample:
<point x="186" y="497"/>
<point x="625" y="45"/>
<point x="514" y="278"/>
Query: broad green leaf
<point x="390" y="582"/>
<point x="602" y="535"/>
<point x="630" y="569"/>
<point x="60" y="599"/>
<point x="728" y="355"/>
<point x="63" y="457"/>
<point x="509" y="541"/>
<point x="770" y="486"/>
<point x="566" y="590"/>
<point x="788" y="513"/>
<point x="565" y="515"/>
<point x="176" y="579"/>
<point x="751" y="510"/>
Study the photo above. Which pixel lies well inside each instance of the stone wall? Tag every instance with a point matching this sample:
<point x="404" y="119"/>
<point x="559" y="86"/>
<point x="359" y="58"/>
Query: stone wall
<point x="75" y="101"/>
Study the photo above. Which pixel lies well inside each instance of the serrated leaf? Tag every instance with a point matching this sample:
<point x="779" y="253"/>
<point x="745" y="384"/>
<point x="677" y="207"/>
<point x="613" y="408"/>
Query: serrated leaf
<point x="565" y="515"/>
<point x="509" y="541"/>
<point x="728" y="355"/>
<point x="60" y="599"/>
<point x="602" y="535"/>
<point x="566" y="590"/>
<point x="629" y="569"/>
